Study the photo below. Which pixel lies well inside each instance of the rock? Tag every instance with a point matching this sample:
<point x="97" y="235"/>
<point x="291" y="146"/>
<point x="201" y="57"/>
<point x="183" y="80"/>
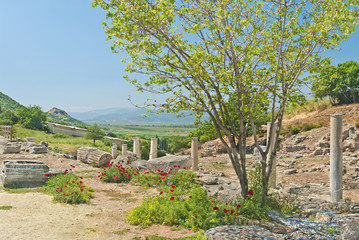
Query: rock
<point x="30" y="139"/>
<point x="322" y="144"/>
<point x="290" y="171"/>
<point x="207" y="180"/>
<point x="350" y="229"/>
<point x="139" y="164"/>
<point x="322" y="217"/>
<point x="230" y="194"/>
<point x="46" y="144"/>
<point x="318" y="151"/>
<point x="295" y="148"/>
<point x="299" y="139"/>
<point x="38" y="149"/>
<point x="23" y="173"/>
<point x="25" y="146"/>
<point x="232" y="232"/>
<point x="13" y="148"/>
<point x="298" y="156"/>
<point x="167" y="162"/>
<point x="212" y="190"/>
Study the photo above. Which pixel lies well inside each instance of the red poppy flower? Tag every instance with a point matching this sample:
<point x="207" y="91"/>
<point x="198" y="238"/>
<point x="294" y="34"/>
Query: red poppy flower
<point x="173" y="186"/>
<point x="238" y="206"/>
<point x="190" y="196"/>
<point x="172" y="198"/>
<point x="82" y="189"/>
<point x="197" y="176"/>
<point x="146" y="178"/>
<point x="161" y="193"/>
<point x="225" y="210"/>
<point x="250" y="192"/>
<point x="172" y="190"/>
<point x="184" y="167"/>
<point x="232" y="211"/>
<point x="81" y="177"/>
<point x="215" y="208"/>
<point x="46" y="175"/>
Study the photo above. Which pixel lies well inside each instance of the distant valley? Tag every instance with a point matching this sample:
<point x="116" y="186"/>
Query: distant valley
<point x="130" y="116"/>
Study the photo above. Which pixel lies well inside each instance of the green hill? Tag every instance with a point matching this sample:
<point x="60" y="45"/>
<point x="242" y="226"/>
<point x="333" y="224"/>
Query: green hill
<point x="7" y="102"/>
<point x="60" y="116"/>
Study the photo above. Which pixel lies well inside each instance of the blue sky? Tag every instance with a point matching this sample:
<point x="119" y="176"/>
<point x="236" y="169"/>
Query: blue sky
<point x="54" y="54"/>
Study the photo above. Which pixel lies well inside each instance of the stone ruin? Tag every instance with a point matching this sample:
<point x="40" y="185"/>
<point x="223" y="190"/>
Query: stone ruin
<point x="29" y="145"/>
<point x="23" y="173"/>
<point x="93" y="156"/>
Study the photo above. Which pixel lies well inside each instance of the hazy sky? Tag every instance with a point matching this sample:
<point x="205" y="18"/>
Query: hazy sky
<point x="54" y="54"/>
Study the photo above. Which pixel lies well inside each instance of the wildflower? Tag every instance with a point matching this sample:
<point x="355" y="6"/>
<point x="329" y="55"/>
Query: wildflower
<point x="172" y="198"/>
<point x="250" y="193"/>
<point x="82" y="189"/>
<point x="172" y="190"/>
<point x="215" y="208"/>
<point x="232" y="211"/>
<point x="184" y="167"/>
<point x="173" y="186"/>
<point x="161" y="193"/>
<point x="190" y="196"/>
<point x="238" y="206"/>
<point x="225" y="210"/>
<point x="46" y="175"/>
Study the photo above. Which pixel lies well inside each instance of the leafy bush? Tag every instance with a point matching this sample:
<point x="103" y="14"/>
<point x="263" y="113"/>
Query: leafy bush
<point x="60" y="135"/>
<point x="117" y="174"/>
<point x="68" y="188"/>
<point x="293" y="130"/>
<point x="357" y="124"/>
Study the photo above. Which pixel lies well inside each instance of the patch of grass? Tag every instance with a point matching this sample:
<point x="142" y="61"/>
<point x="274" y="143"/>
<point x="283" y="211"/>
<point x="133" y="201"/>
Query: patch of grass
<point x="5" y="207"/>
<point x="88" y="176"/>
<point x="121" y="232"/>
<point x="18" y="190"/>
<point x="176" y="228"/>
<point x="130" y="200"/>
<point x="115" y="199"/>
<point x="331" y="230"/>
<point x="114" y="194"/>
<point x="92" y="229"/>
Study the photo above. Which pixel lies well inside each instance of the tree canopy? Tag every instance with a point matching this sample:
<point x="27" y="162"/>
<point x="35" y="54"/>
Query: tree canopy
<point x="202" y="53"/>
<point x="31" y="117"/>
<point x="339" y="83"/>
<point x="95" y="133"/>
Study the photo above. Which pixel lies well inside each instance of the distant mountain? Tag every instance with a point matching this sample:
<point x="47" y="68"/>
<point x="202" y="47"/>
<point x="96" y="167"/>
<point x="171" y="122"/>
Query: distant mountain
<point x="130" y="116"/>
<point x="60" y="116"/>
<point x="7" y="102"/>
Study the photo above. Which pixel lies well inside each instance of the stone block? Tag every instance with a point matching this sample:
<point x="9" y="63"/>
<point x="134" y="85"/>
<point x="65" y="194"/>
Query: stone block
<point x="10" y="149"/>
<point x="38" y="149"/>
<point x="295" y="148"/>
<point x="232" y="232"/>
<point x="167" y="162"/>
<point x="23" y="173"/>
<point x="25" y="146"/>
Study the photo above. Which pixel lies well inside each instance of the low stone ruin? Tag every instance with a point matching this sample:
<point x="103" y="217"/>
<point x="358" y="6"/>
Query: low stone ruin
<point x="29" y="145"/>
<point x="93" y="156"/>
<point x="167" y="162"/>
<point x="23" y="173"/>
<point x="10" y="147"/>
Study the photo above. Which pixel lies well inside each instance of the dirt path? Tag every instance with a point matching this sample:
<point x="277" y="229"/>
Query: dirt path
<point x="35" y="216"/>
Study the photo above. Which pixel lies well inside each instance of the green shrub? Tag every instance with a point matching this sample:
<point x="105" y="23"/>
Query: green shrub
<point x="68" y="188"/>
<point x="60" y="135"/>
<point x="293" y="130"/>
<point x="117" y="174"/>
<point x="357" y="124"/>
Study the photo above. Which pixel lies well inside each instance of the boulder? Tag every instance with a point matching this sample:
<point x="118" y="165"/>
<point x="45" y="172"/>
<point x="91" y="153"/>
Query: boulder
<point x="25" y="146"/>
<point x="167" y="162"/>
<point x="233" y="232"/>
<point x="42" y="143"/>
<point x="350" y="229"/>
<point x="10" y="148"/>
<point x="23" y="173"/>
<point x="230" y="194"/>
<point x="139" y="164"/>
<point x="38" y="149"/>
<point x="207" y="180"/>
<point x="295" y="148"/>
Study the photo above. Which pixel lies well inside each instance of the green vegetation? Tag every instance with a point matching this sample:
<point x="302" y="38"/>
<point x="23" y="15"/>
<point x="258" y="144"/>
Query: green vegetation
<point x="307" y="106"/>
<point x="5" y="207"/>
<point x="68" y="188"/>
<point x="31" y="117"/>
<point x="7" y="102"/>
<point x="95" y="133"/>
<point x="59" y="142"/>
<point x="339" y="83"/>
<point x="146" y="130"/>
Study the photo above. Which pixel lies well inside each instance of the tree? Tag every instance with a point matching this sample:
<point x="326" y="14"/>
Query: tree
<point x="203" y="53"/>
<point x="94" y="132"/>
<point x="31" y="117"/>
<point x="340" y="84"/>
<point x="8" y="116"/>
